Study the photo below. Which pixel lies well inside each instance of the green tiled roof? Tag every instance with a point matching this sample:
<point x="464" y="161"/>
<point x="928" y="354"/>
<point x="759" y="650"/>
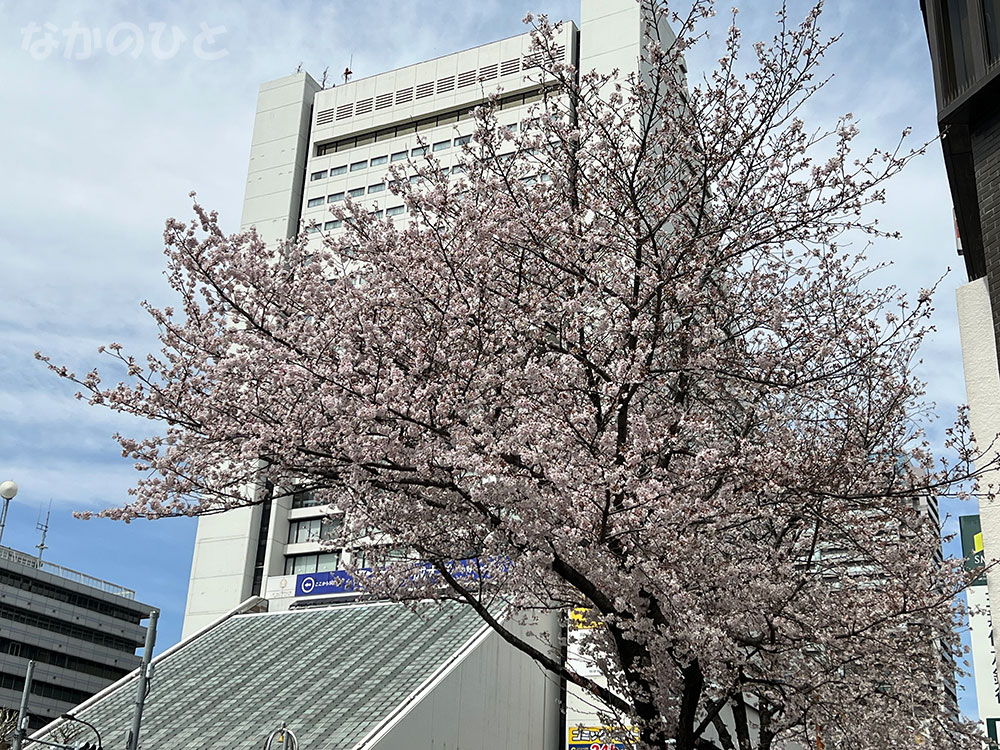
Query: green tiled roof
<point x="332" y="674"/>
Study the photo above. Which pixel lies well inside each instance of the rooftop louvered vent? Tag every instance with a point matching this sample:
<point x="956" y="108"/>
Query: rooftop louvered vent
<point x="441" y="86"/>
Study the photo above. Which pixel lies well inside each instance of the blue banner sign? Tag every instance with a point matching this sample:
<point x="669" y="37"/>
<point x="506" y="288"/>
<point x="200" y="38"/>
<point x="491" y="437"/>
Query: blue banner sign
<point x="322" y="584"/>
<point x="341" y="582"/>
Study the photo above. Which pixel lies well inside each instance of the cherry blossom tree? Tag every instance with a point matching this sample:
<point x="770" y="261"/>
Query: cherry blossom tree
<point x="625" y="361"/>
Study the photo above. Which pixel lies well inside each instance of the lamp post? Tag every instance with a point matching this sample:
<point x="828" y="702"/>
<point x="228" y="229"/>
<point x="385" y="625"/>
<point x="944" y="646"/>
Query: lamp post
<point x="7" y="491"/>
<point x="71" y="717"/>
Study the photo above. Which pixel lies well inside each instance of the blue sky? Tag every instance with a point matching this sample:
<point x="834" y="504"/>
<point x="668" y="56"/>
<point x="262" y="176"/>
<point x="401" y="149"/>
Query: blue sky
<point x="99" y="148"/>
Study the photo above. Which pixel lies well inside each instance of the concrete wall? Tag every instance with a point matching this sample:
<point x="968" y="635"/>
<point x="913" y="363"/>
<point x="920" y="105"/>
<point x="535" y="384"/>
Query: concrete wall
<point x="278" y="153"/>
<point x="222" y="567"/>
<point x="226" y="544"/>
<point x="614" y="34"/>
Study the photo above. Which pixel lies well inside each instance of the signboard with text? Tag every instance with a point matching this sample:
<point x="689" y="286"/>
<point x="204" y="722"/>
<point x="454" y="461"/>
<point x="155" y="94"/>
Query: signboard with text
<point x="602" y="738"/>
<point x="323" y="584"/>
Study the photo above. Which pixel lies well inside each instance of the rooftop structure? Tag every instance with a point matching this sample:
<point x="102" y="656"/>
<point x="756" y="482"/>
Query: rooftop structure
<point x="363" y="676"/>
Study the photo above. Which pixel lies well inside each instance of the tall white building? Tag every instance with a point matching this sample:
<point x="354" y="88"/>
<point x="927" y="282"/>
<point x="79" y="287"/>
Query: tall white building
<point x="313" y="147"/>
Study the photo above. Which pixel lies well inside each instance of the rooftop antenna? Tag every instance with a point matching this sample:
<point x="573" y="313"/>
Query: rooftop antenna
<point x="347" y="71"/>
<point x="44" y="528"/>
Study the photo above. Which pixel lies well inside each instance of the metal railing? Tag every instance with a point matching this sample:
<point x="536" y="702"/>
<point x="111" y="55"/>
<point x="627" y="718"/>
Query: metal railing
<point x="30" y="561"/>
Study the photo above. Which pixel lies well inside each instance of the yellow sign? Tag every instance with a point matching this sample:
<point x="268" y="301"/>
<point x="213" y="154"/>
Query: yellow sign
<point x="603" y="738"/>
<point x="581" y="618"/>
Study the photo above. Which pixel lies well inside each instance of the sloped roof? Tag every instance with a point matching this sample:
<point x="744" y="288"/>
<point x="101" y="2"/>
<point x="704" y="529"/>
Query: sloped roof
<point x="333" y="674"/>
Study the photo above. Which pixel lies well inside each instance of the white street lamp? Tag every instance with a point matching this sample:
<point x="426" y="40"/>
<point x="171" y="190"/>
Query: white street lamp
<point x="8" y="490"/>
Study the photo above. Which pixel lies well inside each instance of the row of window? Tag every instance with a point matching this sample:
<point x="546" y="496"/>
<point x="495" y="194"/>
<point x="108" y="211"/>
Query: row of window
<point x="313" y="530"/>
<point x="415" y="126"/>
<point x="26" y="583"/>
<point x="378" y="187"/>
<point x="338" y="223"/>
<point x="54" y="625"/>
<point x="58" y="659"/>
<point x="378" y="161"/>
<point x="305" y="499"/>
<point x="398" y="210"/>
<point x="320" y="562"/>
<point x="44" y="689"/>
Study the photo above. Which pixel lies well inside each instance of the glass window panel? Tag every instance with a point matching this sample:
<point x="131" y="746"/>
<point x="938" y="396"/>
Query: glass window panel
<point x="379" y="160"/>
<point x="991" y="20"/>
<point x="328" y="561"/>
<point x="399" y="156"/>
<point x="956" y="33"/>
<point x="338" y="170"/>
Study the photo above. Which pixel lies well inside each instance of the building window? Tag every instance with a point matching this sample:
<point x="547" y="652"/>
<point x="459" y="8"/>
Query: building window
<point x="335" y="224"/>
<point x="991" y="20"/>
<point x="312" y="229"/>
<point x="379" y="160"/>
<point x="956" y="43"/>
<point x="338" y="170"/>
<point x="375" y="214"/>
<point x="305" y="499"/>
<point x="399" y="156"/>
<point x="377" y="188"/>
<point x="458" y="169"/>
<point x="395" y="211"/>
<point x="313" y="202"/>
<point x="442" y="145"/>
<point x="358" y="166"/>
<point x="312" y="530"/>
<point x="315" y="563"/>
<point x="419" y="151"/>
<point x="356" y="192"/>
<point x="462" y="140"/>
<point x="317" y="175"/>
<point x="335" y="198"/>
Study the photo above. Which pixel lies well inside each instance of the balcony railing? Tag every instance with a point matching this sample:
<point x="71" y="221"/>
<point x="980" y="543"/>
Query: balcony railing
<point x="22" y="558"/>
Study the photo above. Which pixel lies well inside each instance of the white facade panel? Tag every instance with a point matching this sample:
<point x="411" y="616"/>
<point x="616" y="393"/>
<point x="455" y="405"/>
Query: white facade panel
<point x="982" y="384"/>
